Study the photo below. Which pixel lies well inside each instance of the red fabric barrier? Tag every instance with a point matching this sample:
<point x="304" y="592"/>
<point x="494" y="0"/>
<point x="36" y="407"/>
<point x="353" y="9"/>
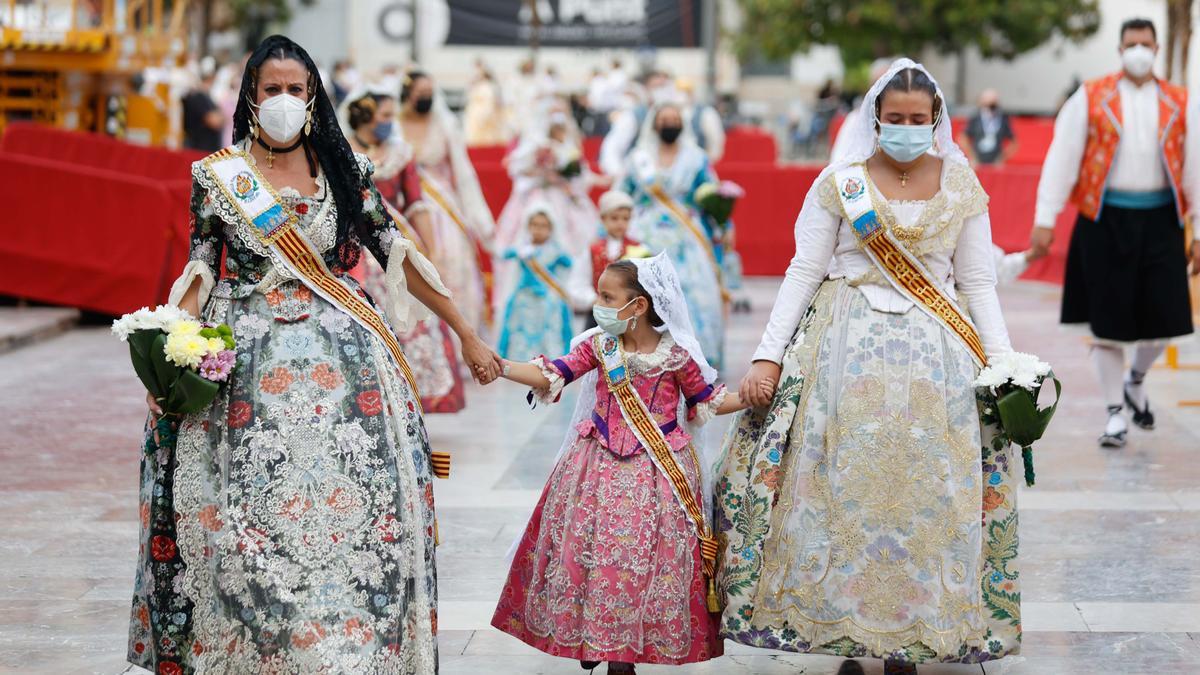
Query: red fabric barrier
<point x="86" y="237"/>
<point x="774" y="195"/>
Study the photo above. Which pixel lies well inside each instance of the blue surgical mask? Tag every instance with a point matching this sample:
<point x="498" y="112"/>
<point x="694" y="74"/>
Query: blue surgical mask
<point x="905" y="142"/>
<point x="606" y="318"/>
<point x="383" y="131"/>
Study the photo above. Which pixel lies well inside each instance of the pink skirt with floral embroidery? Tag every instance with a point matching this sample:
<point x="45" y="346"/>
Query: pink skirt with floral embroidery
<point x="609" y="567"/>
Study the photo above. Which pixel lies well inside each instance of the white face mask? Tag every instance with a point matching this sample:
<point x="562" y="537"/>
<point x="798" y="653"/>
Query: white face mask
<point x="283" y="116"/>
<point x="1138" y="60"/>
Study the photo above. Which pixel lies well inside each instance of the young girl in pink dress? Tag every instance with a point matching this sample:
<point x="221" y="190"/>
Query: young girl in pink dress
<point x="611" y="566"/>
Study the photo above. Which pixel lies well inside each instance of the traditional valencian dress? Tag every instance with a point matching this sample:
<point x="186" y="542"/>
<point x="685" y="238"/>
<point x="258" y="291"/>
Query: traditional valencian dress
<point x="609" y="567"/>
<point x="666" y="218"/>
<point x="866" y="512"/>
<point x="462" y="223"/>
<point x="292" y="530"/>
<point x="429" y="345"/>
<point x="537" y="317"/>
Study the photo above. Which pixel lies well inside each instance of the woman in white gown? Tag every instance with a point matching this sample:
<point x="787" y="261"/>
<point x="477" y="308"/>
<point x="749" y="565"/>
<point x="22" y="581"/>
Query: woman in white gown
<point x="865" y="512"/>
<point x="462" y="223"/>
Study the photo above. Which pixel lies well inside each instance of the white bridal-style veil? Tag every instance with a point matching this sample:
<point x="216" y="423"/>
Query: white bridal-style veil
<point x="863" y="139"/>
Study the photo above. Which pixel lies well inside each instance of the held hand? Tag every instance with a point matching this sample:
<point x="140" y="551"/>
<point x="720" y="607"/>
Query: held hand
<point x="758" y="387"/>
<point x="485" y="364"/>
<point x="1040" y="241"/>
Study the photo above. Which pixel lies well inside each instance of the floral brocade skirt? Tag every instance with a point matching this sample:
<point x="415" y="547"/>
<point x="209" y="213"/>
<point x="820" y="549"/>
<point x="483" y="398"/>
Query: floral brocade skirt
<point x="609" y="567"/>
<point x="865" y="512"/>
<point x="302" y="507"/>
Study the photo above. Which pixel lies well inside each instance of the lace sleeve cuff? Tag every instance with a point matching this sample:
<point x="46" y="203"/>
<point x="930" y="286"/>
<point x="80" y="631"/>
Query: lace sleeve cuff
<point x="401" y="309"/>
<point x="194" y="269"/>
<point x="558" y="381"/>
<point x="702" y="412"/>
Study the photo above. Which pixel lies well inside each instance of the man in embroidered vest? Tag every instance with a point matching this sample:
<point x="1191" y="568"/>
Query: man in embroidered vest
<point x="1123" y="156"/>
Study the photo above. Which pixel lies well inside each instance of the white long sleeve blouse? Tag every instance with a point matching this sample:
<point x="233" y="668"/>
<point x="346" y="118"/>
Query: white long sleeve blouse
<point x="950" y="233"/>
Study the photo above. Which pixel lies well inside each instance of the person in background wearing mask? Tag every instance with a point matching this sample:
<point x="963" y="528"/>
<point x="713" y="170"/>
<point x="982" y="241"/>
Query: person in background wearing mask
<point x="628" y="120"/>
<point x="988" y="138"/>
<point x="662" y="175"/>
<point x="1123" y="156"/>
<point x="462" y="223"/>
<point x="369" y="120"/>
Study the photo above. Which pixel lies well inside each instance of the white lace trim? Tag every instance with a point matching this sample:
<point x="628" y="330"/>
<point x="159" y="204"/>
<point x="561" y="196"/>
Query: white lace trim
<point x="194" y="269"/>
<point x="401" y="308"/>
<point x="557" y="381"/>
<point x="705" y="411"/>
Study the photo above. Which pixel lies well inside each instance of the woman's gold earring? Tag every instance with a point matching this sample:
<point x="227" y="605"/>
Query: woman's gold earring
<point x="308" y="124"/>
<point x="633" y="323"/>
<point x="253" y="131"/>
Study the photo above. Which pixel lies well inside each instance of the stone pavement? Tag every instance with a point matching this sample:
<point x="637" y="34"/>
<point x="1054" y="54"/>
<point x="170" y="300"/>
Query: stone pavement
<point x="1109" y="551"/>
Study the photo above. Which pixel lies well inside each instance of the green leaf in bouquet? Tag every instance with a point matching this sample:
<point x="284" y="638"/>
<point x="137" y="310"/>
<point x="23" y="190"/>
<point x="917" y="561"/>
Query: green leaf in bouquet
<point x="166" y="372"/>
<point x="209" y="333"/>
<point x="225" y="330"/>
<point x="193" y="392"/>
<point x="229" y="343"/>
<point x="141" y="343"/>
<point x="1023" y="423"/>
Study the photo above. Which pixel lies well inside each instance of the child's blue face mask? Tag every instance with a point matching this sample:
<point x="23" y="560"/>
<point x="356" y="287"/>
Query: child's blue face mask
<point x="606" y="318"/>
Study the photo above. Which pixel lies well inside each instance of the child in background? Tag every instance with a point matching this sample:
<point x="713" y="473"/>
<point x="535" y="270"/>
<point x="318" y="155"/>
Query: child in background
<point x="616" y="210"/>
<point x="537" y="317"/>
<point x="616" y="562"/>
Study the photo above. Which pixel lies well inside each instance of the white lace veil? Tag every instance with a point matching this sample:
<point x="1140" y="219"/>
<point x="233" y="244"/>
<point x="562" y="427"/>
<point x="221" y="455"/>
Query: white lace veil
<point x="863" y="139"/>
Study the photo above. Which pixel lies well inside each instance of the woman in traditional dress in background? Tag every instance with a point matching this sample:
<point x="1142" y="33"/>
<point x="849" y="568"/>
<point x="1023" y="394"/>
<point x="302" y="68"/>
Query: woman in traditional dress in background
<point x="537" y="315"/>
<point x="866" y="513"/>
<point x="540" y="174"/>
<point x="662" y="174"/>
<point x="292" y="527"/>
<point x="370" y="119"/>
<point x="463" y="226"/>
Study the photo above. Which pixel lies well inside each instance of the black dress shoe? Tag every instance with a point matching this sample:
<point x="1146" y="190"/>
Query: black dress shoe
<point x="1143" y="418"/>
<point x="850" y="668"/>
<point x="589" y="665"/>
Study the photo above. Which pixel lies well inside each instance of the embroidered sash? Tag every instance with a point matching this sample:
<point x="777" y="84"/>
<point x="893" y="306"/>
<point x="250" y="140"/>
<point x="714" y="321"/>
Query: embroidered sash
<point x="431" y="188"/>
<point x="903" y="270"/>
<point x="681" y="216"/>
<point x="275" y="225"/>
<point x="539" y="270"/>
<point x="648" y="433"/>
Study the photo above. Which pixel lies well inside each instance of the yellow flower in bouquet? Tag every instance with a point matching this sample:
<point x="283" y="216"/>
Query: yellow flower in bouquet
<point x="215" y="345"/>
<point x="186" y="350"/>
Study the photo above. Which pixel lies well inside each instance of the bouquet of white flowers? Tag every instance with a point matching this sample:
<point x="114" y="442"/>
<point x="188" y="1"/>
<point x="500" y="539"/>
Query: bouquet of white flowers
<point x="181" y="361"/>
<point x="1009" y="388"/>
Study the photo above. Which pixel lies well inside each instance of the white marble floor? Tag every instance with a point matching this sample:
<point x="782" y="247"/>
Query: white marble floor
<point x="1110" y="548"/>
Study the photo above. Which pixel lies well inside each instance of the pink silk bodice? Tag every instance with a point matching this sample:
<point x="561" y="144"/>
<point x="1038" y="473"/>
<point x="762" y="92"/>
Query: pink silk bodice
<point x="662" y="379"/>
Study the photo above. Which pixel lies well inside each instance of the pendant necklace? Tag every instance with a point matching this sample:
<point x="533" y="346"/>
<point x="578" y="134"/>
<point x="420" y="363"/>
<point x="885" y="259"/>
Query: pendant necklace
<point x="271" y="150"/>
<point x="903" y="179"/>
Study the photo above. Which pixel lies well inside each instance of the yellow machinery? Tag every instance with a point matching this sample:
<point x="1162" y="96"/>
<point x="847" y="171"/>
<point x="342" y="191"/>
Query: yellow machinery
<point x="80" y="64"/>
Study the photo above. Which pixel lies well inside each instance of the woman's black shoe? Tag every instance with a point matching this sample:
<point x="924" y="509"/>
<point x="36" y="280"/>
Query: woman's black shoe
<point x="891" y="667"/>
<point x="589" y="665"/>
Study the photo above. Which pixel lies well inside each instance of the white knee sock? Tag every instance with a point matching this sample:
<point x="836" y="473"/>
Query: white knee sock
<point x="1110" y="367"/>
<point x="1144" y="356"/>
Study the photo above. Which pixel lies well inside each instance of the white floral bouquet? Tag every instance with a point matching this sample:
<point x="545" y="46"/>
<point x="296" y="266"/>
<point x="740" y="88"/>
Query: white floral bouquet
<point x="717" y="199"/>
<point x="1008" y="390"/>
<point x="181" y="361"/>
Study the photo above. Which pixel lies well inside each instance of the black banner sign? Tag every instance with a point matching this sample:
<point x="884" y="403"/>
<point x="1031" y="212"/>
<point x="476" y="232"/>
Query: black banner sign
<point x="576" y="23"/>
